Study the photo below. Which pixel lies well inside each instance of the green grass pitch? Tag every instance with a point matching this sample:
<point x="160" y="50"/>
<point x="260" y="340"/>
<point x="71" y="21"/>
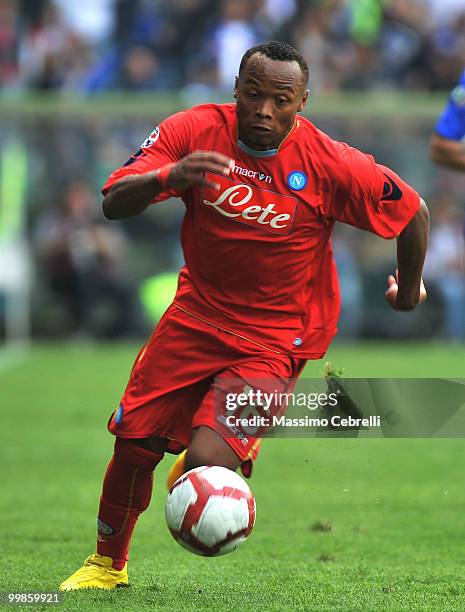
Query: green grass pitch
<point x="342" y="524"/>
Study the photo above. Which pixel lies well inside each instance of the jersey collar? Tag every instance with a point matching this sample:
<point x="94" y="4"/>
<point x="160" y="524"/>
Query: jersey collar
<point x="268" y="152"/>
<point x="255" y="152"/>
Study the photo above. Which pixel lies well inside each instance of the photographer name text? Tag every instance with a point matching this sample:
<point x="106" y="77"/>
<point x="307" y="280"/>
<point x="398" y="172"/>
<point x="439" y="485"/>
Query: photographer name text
<point x="259" y="421"/>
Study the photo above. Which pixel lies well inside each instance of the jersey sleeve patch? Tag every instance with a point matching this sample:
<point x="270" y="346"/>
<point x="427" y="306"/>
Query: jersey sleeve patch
<point x="391" y="190"/>
<point x="152" y="138"/>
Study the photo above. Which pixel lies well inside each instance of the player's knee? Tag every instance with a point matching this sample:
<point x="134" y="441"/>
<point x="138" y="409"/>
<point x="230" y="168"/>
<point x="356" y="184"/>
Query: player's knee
<point x="224" y="457"/>
<point x="205" y="457"/>
<point x="154" y="444"/>
<point x="207" y="447"/>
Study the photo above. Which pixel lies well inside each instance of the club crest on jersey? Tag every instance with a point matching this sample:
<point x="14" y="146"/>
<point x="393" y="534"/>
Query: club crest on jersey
<point x="259" y="208"/>
<point x="152" y="139"/>
<point x="297" y="180"/>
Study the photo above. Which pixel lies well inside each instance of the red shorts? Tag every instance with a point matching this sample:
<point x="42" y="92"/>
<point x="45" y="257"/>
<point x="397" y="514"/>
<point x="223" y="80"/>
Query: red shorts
<point x="170" y="390"/>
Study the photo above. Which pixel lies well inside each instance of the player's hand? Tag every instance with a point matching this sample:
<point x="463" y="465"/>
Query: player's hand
<point x="191" y="169"/>
<point x="396" y="301"/>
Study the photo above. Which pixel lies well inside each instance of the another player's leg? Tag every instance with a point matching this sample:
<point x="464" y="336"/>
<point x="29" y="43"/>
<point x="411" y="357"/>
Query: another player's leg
<point x="127" y="489"/>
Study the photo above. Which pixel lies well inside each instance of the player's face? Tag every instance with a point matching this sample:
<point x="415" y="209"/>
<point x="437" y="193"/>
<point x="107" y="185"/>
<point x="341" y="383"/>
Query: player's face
<point x="269" y="93"/>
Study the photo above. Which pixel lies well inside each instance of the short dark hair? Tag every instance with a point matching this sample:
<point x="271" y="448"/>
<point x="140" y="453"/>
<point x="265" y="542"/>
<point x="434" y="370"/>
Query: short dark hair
<point x="277" y="50"/>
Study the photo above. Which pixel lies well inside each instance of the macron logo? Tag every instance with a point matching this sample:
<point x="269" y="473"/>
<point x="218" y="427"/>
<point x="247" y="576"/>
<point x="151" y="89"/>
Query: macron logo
<point x="252" y="174"/>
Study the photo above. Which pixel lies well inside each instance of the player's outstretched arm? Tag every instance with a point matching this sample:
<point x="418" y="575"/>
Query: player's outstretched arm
<point x="447" y="152"/>
<point x="132" y="194"/>
<point x="406" y="289"/>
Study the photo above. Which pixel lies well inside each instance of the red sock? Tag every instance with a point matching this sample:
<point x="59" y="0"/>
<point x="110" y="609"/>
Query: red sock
<point x="127" y="489"/>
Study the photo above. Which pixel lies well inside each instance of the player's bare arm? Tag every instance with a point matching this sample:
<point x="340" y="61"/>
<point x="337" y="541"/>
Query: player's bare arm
<point x="447" y="152"/>
<point x="406" y="289"/>
<point x="131" y="195"/>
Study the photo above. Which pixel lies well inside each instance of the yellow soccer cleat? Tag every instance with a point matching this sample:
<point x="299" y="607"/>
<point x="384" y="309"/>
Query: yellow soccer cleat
<point x="176" y="470"/>
<point x="96" y="573"/>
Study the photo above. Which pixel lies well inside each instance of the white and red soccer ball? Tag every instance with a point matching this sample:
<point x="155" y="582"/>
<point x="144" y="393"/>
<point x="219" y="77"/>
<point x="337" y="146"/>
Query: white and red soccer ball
<point x="210" y="511"/>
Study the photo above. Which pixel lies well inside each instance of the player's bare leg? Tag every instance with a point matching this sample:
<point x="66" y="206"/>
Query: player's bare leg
<point x="178" y="468"/>
<point x="127" y="489"/>
<point x="207" y="447"/>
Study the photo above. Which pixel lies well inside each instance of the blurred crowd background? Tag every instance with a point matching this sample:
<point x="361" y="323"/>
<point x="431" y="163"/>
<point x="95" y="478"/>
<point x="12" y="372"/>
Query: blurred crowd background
<point x="89" y="278"/>
<point x="91" y="46"/>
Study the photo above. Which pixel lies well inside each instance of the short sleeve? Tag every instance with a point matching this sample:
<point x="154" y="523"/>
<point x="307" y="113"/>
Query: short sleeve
<point x="167" y="143"/>
<point x="451" y="123"/>
<point x="370" y="196"/>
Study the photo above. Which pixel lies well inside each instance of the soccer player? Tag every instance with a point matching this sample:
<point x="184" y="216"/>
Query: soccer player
<point x="447" y="147"/>
<point x="258" y="294"/>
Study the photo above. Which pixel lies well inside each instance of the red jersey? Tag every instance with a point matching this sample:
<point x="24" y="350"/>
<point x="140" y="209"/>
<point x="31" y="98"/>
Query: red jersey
<point x="258" y="254"/>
